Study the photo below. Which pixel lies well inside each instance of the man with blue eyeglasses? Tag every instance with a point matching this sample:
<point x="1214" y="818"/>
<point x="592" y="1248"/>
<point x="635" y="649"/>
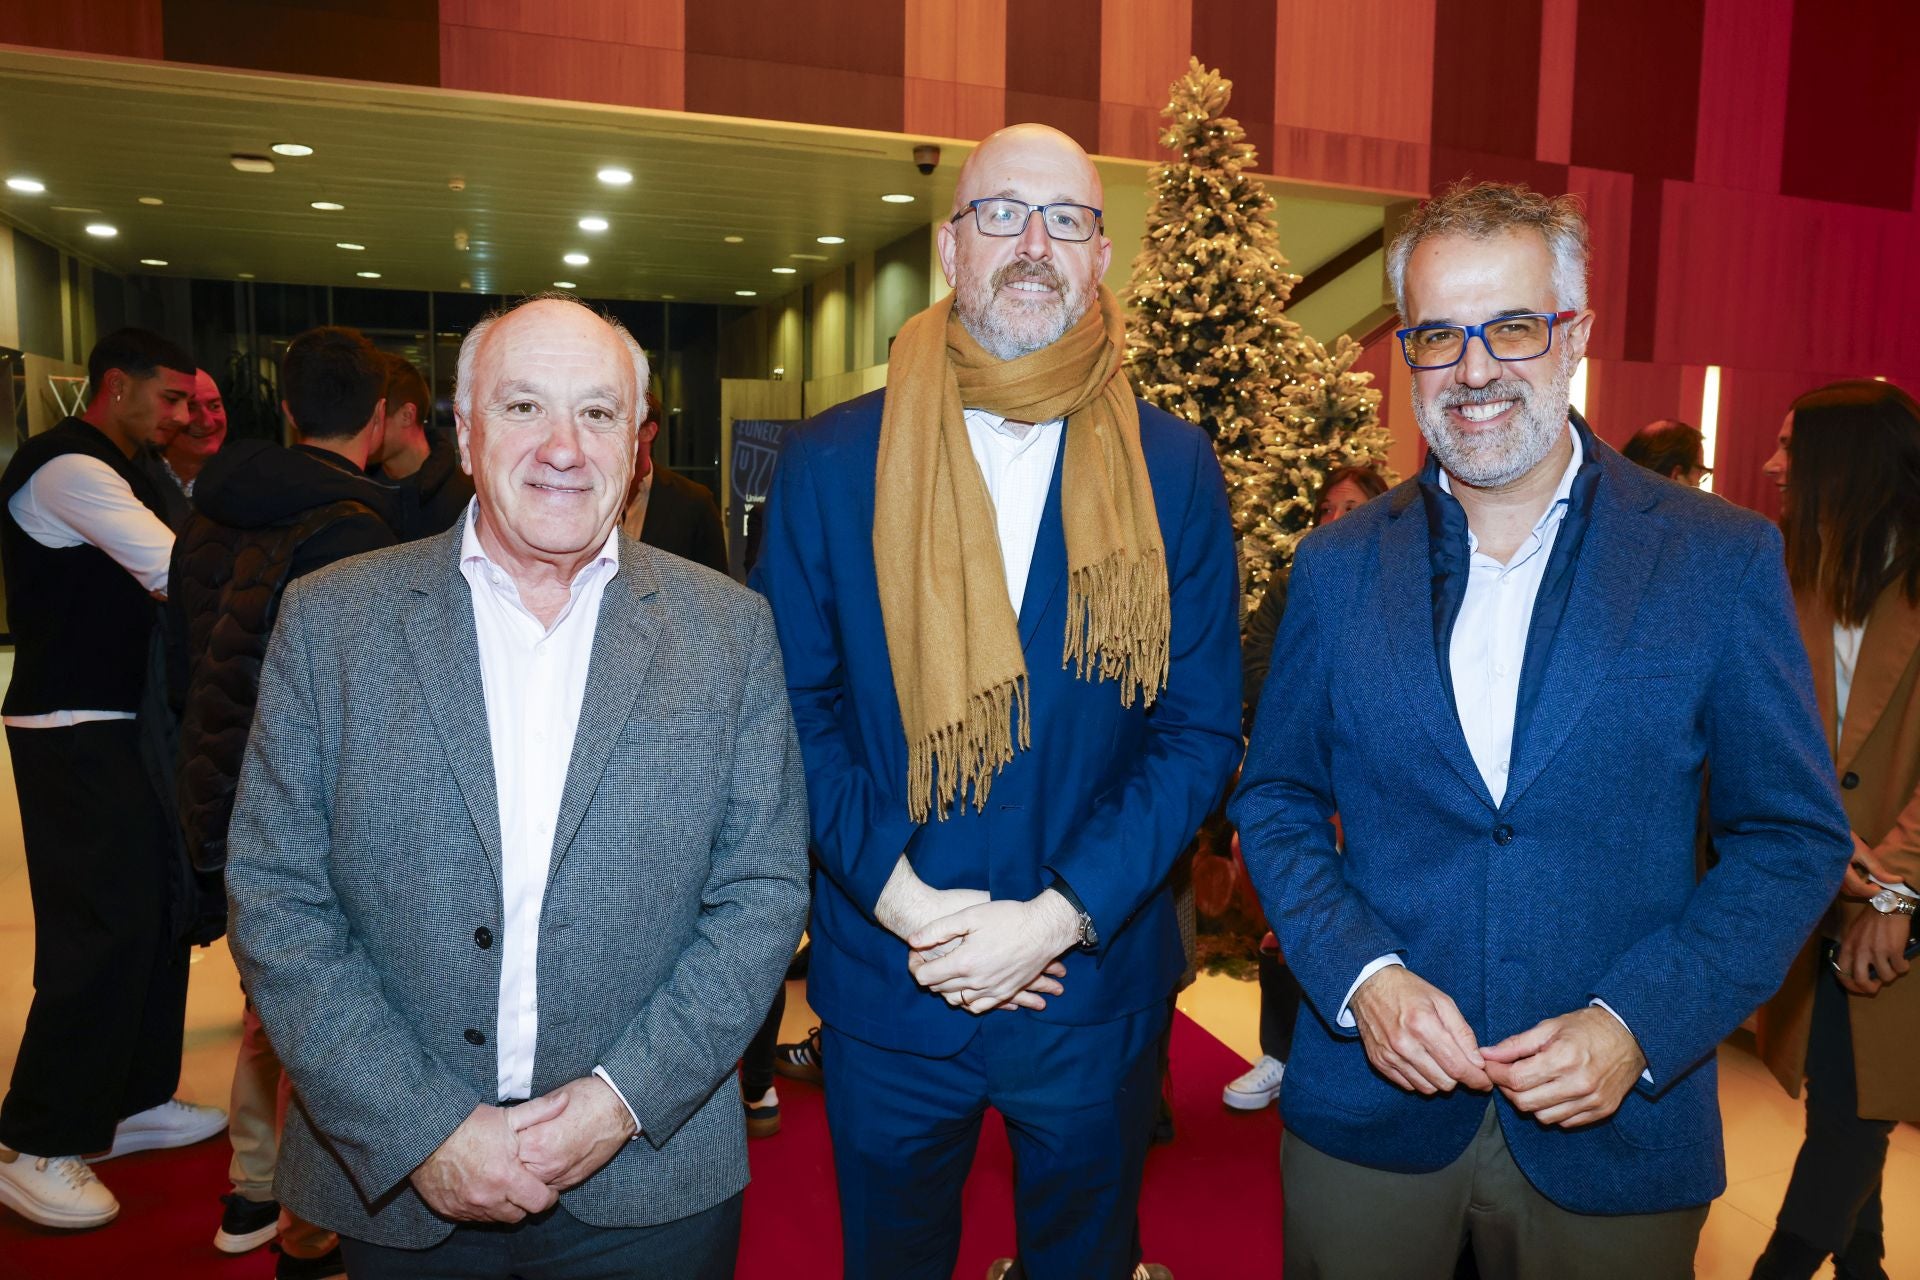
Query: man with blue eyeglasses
<point x="1517" y="982"/>
<point x="1006" y="596"/>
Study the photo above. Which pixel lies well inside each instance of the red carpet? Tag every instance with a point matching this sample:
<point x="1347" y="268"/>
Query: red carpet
<point x="1211" y="1210"/>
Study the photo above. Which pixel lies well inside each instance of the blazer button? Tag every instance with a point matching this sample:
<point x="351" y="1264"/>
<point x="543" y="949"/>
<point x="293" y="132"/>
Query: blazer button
<point x="474" y="1037"/>
<point x="1503" y="835"/>
<point x="483" y="937"/>
<point x="1851" y="781"/>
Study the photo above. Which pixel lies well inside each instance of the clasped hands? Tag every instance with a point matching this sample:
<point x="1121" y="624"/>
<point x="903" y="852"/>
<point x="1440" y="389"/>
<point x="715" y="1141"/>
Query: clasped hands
<point x="504" y="1163"/>
<point x="1873" y="946"/>
<point x="978" y="953"/>
<point x="1567" y="1071"/>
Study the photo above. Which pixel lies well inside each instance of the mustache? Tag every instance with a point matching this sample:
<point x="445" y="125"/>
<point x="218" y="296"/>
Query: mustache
<point x="1503" y="389"/>
<point x="1029" y="273"/>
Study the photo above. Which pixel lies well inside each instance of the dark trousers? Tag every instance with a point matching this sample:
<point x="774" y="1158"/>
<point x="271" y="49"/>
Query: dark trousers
<point x="1350" y="1222"/>
<point x="756" y="1064"/>
<point x="558" y="1246"/>
<point x="109" y="983"/>
<point x="1279" y="1006"/>
<point x="1078" y="1104"/>
<point x="1835" y="1188"/>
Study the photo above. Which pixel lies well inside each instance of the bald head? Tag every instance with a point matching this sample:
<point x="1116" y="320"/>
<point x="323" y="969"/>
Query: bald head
<point x="1016" y="293"/>
<point x="1038" y="153"/>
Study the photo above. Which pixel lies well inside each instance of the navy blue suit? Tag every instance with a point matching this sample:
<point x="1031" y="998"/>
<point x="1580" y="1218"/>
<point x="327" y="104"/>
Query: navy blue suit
<point x="1105" y="798"/>
<point x="1675" y="658"/>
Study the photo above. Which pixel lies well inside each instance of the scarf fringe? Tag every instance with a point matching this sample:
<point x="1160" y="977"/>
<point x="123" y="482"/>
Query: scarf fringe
<point x="967" y="754"/>
<point x="1119" y="624"/>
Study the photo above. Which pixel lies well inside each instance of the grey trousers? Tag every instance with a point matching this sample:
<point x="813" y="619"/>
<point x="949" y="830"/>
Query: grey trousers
<point x="558" y="1246"/>
<point x="1349" y="1222"/>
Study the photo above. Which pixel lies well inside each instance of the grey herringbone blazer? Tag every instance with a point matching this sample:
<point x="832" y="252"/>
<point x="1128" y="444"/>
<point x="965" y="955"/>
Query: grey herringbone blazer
<point x="365" y="862"/>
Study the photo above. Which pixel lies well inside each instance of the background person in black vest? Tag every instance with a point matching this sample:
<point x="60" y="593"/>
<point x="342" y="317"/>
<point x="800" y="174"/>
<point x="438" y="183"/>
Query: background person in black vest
<point x="669" y="511"/>
<point x="423" y="462"/>
<point x="269" y="514"/>
<point x="85" y="554"/>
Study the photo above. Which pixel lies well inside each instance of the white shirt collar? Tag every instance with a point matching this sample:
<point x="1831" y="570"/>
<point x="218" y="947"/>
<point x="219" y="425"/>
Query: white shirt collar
<point x="478" y="565"/>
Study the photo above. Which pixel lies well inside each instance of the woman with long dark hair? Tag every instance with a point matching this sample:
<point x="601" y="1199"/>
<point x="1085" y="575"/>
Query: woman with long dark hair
<point x="1846" y="1021"/>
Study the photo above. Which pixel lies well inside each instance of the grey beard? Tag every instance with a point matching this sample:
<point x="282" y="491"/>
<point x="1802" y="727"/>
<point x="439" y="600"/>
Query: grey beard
<point x="1000" y="337"/>
<point x="1492" y="462"/>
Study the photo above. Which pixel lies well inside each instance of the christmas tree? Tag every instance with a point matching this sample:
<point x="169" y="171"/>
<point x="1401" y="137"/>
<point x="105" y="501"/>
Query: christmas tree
<point x="1209" y="338"/>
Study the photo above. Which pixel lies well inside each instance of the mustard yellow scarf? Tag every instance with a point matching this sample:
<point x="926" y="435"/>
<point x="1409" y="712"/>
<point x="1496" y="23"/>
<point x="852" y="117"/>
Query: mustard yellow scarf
<point x="952" y="635"/>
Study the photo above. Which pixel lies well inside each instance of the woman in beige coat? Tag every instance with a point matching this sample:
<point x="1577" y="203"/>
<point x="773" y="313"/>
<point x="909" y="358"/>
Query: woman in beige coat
<point x="1849" y="462"/>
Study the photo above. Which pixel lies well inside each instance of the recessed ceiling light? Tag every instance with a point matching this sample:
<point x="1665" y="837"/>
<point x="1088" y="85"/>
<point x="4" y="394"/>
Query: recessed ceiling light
<point x="291" y="149"/>
<point x="576" y="259"/>
<point x="368" y="275"/>
<point x="593" y="224"/>
<point x="327" y="206"/>
<point x="151" y="200"/>
<point x="104" y="230"/>
<point x="29" y="186"/>
<point x="348" y="244"/>
<point x="746" y="293"/>
<point x="667" y="297"/>
<point x="897" y="197"/>
<point x="734" y="239"/>
<point x="615" y="177"/>
<point x="73" y="208"/>
<point x="243" y="275"/>
<point x="466" y="284"/>
<point x="785" y="271"/>
<point x="830" y="239"/>
<point x="250" y="164"/>
<point x="809" y="257"/>
<point x="565" y="284"/>
<point x="153" y="262"/>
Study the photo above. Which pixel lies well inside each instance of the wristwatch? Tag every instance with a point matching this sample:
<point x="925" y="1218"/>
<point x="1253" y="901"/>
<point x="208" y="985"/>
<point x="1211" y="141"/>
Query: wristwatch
<point x="1891" y="902"/>
<point x="1086" y="937"/>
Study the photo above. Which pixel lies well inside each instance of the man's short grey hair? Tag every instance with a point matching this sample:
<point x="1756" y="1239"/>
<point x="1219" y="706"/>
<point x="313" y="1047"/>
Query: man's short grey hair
<point x="470" y="348"/>
<point x="1483" y="210"/>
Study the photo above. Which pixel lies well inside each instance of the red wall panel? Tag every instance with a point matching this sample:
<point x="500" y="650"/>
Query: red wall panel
<point x="1237" y="36"/>
<point x="1053" y="67"/>
<point x="839" y="63"/>
<point x="1743" y="93"/>
<point x="1637" y="86"/>
<point x="1486" y="76"/>
<point x="118" y="28"/>
<point x="1853" y="111"/>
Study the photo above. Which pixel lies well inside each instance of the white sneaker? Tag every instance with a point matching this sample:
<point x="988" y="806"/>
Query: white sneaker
<point x="54" y="1191"/>
<point x="1258" y="1087"/>
<point x="171" y="1124"/>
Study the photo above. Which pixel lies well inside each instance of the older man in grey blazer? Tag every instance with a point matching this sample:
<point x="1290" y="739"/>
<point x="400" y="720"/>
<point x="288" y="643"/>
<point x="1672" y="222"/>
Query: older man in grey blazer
<point x="519" y="856"/>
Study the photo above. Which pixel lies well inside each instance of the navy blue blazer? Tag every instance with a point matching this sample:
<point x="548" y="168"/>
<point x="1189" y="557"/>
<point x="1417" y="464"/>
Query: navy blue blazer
<point x="1677" y="660"/>
<point x="1105" y="798"/>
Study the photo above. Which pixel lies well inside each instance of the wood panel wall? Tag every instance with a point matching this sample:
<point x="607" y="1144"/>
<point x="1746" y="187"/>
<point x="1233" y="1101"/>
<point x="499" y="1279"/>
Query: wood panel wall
<point x="1751" y="167"/>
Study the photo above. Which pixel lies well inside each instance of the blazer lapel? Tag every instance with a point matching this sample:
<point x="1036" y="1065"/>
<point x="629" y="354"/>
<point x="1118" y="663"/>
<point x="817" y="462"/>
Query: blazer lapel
<point x="1893" y="632"/>
<point x="1049" y="565"/>
<point x="624" y="639"/>
<point x="1816" y="631"/>
<point x="1616" y="563"/>
<point x="1406" y="592"/>
<point x="446" y="658"/>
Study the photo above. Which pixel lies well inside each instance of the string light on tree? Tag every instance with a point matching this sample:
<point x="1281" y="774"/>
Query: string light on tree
<point x="1209" y="339"/>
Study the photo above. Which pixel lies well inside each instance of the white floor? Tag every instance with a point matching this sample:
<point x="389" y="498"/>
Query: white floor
<point x="1763" y="1125"/>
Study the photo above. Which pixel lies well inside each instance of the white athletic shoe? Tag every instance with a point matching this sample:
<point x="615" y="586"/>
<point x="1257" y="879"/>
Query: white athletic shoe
<point x="54" y="1191"/>
<point x="171" y="1124"/>
<point x="1258" y="1087"/>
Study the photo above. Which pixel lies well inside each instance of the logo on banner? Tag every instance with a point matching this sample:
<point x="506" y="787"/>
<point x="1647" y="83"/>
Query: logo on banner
<point x="756" y="446"/>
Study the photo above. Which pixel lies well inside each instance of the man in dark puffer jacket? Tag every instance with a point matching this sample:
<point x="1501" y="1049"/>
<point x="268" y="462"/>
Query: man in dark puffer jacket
<point x="268" y="514"/>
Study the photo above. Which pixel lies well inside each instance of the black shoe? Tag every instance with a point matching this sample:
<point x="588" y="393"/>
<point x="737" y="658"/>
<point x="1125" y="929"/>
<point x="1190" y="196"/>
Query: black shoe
<point x="800" y="1060"/>
<point x="246" y="1224"/>
<point x="1788" y="1257"/>
<point x="328" y="1266"/>
<point x="763" y="1116"/>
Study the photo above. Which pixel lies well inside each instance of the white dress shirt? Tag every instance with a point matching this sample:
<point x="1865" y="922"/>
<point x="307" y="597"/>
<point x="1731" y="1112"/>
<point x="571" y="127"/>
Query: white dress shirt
<point x="535" y="679"/>
<point x="75" y="500"/>
<point x="1489" y="644"/>
<point x="1018" y="470"/>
